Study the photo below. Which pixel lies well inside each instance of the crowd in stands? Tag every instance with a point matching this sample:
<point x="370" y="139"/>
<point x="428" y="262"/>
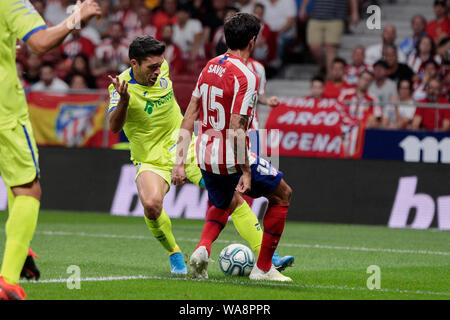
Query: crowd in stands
<point x="191" y="29"/>
<point x="393" y="87"/>
<point x="398" y="71"/>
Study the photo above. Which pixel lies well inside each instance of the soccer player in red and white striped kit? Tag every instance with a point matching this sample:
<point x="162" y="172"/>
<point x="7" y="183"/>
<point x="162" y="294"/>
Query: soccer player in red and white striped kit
<point x="224" y="101"/>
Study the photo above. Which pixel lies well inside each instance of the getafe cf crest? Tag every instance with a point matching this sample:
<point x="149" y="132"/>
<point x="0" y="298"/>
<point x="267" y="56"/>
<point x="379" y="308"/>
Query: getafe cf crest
<point x="75" y="123"/>
<point x="163" y="83"/>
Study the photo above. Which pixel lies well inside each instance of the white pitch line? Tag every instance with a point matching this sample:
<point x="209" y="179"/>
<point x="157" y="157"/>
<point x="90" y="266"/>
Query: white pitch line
<point x="294" y="245"/>
<point x="237" y="282"/>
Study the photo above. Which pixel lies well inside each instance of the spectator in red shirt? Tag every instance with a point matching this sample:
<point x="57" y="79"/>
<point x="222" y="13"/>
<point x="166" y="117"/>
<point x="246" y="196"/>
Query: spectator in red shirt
<point x="360" y="104"/>
<point x="143" y="27"/>
<point x="218" y="44"/>
<point x="432" y="118"/>
<point x="167" y="14"/>
<point x="173" y="54"/>
<point x="334" y="86"/>
<point x="357" y="66"/>
<point x="126" y="15"/>
<point x="77" y="44"/>
<point x="440" y="27"/>
<point x="317" y="88"/>
<point x="112" y="54"/>
<point x="265" y="46"/>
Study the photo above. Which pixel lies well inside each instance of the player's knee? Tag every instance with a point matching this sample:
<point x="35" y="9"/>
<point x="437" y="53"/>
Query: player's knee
<point x="152" y="208"/>
<point x="282" y="195"/>
<point x="287" y="193"/>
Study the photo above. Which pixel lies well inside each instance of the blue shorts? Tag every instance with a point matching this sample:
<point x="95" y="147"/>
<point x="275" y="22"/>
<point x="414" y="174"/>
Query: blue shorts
<point x="221" y="188"/>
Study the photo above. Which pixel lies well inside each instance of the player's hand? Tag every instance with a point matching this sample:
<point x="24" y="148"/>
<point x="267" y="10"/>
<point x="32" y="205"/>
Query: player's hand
<point x="244" y="183"/>
<point x="87" y="9"/>
<point x="178" y="175"/>
<point x="121" y="87"/>
<point x="273" y="101"/>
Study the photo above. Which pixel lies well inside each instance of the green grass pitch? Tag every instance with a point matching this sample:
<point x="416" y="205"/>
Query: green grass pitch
<point x="119" y="259"/>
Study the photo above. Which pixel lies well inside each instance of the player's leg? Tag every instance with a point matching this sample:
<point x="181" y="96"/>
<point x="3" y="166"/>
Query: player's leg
<point x="20" y="171"/>
<point x="20" y="228"/>
<point x="29" y="269"/>
<point x="273" y="223"/>
<point x="268" y="182"/>
<point x="152" y="188"/>
<point x="223" y="199"/>
<point x="244" y="220"/>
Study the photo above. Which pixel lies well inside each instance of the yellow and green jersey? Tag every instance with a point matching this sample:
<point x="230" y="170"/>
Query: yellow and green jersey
<point x="18" y="20"/>
<point x="153" y="117"/>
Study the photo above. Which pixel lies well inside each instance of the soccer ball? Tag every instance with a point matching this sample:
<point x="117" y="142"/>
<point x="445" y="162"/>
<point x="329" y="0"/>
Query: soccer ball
<point x="236" y="260"/>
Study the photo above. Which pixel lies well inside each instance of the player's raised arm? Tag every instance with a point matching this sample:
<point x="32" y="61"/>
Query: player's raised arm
<point x="238" y="133"/>
<point x="45" y="39"/>
<point x="184" y="140"/>
<point x="120" y="98"/>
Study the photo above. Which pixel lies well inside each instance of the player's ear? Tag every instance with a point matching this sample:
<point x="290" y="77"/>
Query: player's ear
<point x="134" y="62"/>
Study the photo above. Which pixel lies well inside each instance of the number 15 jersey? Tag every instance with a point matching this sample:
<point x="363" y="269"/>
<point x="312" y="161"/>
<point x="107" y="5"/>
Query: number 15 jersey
<point x="225" y="86"/>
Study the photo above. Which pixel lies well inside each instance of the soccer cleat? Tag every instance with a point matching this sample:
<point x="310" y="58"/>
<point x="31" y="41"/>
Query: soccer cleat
<point x="11" y="291"/>
<point x="199" y="263"/>
<point x="30" y="270"/>
<point x="282" y="263"/>
<point x="177" y="265"/>
<point x="271" y="275"/>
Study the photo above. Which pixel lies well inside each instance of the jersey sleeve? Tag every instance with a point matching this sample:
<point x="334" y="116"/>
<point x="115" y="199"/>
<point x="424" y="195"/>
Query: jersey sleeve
<point x="113" y="98"/>
<point x="21" y="18"/>
<point x="262" y="81"/>
<point x="196" y="93"/>
<point x="245" y="92"/>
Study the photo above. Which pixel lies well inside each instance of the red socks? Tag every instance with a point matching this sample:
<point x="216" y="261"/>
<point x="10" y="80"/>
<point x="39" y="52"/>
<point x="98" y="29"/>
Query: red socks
<point x="273" y="222"/>
<point x="216" y="220"/>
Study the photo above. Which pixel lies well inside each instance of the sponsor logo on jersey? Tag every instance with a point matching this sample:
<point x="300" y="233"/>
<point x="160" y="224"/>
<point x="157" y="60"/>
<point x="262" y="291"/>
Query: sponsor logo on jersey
<point x="152" y="105"/>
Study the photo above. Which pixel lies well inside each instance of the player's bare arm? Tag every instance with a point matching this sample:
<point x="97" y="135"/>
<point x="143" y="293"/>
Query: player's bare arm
<point x="118" y="116"/>
<point x="268" y="101"/>
<point x="238" y="125"/>
<point x="184" y="140"/>
<point x="47" y="39"/>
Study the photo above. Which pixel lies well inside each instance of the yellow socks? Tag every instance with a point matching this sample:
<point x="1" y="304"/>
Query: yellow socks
<point x="20" y="227"/>
<point x="161" y="229"/>
<point x="247" y="224"/>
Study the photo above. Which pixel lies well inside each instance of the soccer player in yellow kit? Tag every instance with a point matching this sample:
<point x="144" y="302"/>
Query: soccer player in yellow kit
<point x="18" y="152"/>
<point x="142" y="103"/>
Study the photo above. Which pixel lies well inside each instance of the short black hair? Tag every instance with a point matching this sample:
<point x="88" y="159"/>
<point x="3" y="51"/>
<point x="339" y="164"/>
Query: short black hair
<point x="48" y="64"/>
<point x="410" y="83"/>
<point x="259" y="4"/>
<point x="318" y="78"/>
<point x="381" y="63"/>
<point x="432" y="61"/>
<point x="443" y="42"/>
<point x="390" y="46"/>
<point x="340" y="60"/>
<point x="366" y="71"/>
<point x="185" y="7"/>
<point x="240" y="29"/>
<point x="144" y="46"/>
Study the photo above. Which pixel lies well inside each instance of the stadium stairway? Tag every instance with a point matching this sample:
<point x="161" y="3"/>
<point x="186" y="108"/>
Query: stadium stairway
<point x="294" y="79"/>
